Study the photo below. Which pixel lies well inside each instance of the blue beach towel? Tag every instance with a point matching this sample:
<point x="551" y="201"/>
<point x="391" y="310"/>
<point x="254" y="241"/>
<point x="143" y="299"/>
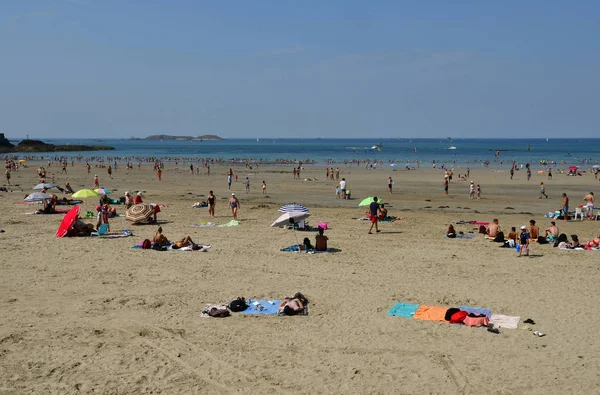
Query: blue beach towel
<point x="403" y="310"/>
<point x="476" y="310"/>
<point x="292" y="248"/>
<point x="269" y="309"/>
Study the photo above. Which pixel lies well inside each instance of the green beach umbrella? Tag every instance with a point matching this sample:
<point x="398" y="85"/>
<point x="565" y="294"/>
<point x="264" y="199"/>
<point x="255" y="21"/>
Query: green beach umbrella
<point x="85" y="193"/>
<point x="367" y="201"/>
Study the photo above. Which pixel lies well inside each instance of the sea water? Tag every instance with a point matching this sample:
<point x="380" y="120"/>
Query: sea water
<point x="451" y="152"/>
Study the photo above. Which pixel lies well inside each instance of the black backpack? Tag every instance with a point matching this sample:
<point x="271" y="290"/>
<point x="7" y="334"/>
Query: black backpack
<point x="238" y="305"/>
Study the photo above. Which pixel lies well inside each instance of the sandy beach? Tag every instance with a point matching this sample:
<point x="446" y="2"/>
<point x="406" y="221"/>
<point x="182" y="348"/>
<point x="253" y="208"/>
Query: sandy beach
<point x="86" y="315"/>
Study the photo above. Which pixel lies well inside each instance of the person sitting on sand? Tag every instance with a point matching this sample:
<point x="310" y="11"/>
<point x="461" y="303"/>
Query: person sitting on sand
<point x="138" y="198"/>
<point x="574" y="243"/>
<point x="493" y="228"/>
<point x="68" y="188"/>
<point x="128" y="200"/>
<point x="49" y="206"/>
<point x="383" y="213"/>
<point x="534" y="230"/>
<point x="512" y="235"/>
<point x="321" y="241"/>
<point x="450" y="232"/>
<point x="80" y="228"/>
<point x="292" y="306"/>
<point x="161" y="239"/>
<point x="594" y="243"/>
<point x="552" y="232"/>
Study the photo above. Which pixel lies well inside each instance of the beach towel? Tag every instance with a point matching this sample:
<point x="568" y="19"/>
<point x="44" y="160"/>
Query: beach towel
<point x="203" y="225"/>
<point x="400" y="309"/>
<point x="466" y="236"/>
<point x="292" y="248"/>
<point x="267" y="308"/>
<point x="431" y="313"/>
<point x="58" y="211"/>
<point x="63" y="203"/>
<point x="504" y="321"/>
<point x="233" y="222"/>
<point x="476" y="310"/>
<point x="199" y="247"/>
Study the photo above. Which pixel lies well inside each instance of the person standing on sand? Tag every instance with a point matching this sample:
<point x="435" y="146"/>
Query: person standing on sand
<point x="159" y="174"/>
<point x="229" y="181"/>
<point x="374" y="211"/>
<point x="247" y="184"/>
<point x="471" y="190"/>
<point x="390" y="184"/>
<point x="446" y="182"/>
<point x="543" y="190"/>
<point x="110" y="171"/>
<point x="210" y="201"/>
<point x="565" y="207"/>
<point x="478" y="191"/>
<point x="343" y="188"/>
<point x="549" y="173"/>
<point x="512" y="172"/>
<point x="96" y="182"/>
<point x="234" y="204"/>
<point x="264" y="187"/>
<point x="7" y="175"/>
<point x="524" y="241"/>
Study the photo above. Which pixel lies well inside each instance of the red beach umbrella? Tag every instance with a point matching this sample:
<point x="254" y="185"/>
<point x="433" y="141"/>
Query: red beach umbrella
<point x="573" y="168"/>
<point x="68" y="221"/>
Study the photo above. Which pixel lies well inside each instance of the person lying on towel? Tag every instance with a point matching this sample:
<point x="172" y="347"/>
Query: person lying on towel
<point x="162" y="240"/>
<point x="293" y="306"/>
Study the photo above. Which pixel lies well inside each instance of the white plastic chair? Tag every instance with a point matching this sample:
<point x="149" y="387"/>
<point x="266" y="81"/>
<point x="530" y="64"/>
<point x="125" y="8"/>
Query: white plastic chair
<point x="579" y="212"/>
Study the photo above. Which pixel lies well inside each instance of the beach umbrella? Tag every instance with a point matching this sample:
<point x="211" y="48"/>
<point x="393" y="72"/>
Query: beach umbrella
<point x="596" y="167"/>
<point x="67" y="221"/>
<point x="367" y="201"/>
<point x="293" y="208"/>
<point x="22" y="160"/>
<point x="43" y="186"/>
<point x="139" y="212"/>
<point x="290" y="218"/>
<point x="572" y="168"/>
<point x="102" y="191"/>
<point x="37" y="197"/>
<point x="85" y="193"/>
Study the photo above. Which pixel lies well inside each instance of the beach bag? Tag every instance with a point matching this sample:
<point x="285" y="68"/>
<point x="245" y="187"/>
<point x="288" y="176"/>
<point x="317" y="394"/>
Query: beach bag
<point x="238" y="305"/>
<point x="146" y="244"/>
<point x="450" y="312"/>
<point x="219" y="312"/>
<point x="482" y="230"/>
<point x="476" y="320"/>
<point x="458" y="317"/>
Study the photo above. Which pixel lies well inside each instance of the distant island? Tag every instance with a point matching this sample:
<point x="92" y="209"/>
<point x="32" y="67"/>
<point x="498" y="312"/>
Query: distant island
<point x="39" y="146"/>
<point x="204" y="137"/>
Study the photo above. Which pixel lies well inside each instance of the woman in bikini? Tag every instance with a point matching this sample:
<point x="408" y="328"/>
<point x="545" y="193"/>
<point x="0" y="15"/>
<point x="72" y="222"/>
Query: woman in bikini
<point x="293" y="306"/>
<point x="210" y="201"/>
<point x="234" y="203"/>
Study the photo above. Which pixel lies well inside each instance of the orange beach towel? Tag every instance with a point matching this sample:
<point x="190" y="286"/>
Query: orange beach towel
<point x="431" y="313"/>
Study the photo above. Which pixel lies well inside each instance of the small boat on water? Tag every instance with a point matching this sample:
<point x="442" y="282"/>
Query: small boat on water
<point x="451" y="147"/>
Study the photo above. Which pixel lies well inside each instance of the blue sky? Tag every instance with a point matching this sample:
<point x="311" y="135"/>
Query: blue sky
<point x="110" y="68"/>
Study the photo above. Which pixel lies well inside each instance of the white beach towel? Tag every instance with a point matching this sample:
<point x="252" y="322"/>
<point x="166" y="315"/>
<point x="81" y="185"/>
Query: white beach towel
<point x="504" y="321"/>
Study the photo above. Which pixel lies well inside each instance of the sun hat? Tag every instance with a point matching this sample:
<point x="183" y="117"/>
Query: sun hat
<point x="523" y="227"/>
<point x="126" y="192"/>
<point x="233" y="194"/>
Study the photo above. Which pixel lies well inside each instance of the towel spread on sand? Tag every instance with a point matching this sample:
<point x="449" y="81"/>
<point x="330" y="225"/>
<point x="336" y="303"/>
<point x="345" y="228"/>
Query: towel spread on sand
<point x="476" y="310"/>
<point x="204" y="225"/>
<point x="233" y="222"/>
<point x="504" y="321"/>
<point x="267" y="308"/>
<point x="58" y="211"/>
<point x="466" y="236"/>
<point x="400" y="309"/>
<point x="431" y="313"/>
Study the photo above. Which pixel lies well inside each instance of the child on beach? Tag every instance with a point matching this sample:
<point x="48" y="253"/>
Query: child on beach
<point x="524" y="241"/>
<point x="478" y="191"/>
<point x="264" y="187"/>
<point x="543" y="190"/>
<point x="471" y="190"/>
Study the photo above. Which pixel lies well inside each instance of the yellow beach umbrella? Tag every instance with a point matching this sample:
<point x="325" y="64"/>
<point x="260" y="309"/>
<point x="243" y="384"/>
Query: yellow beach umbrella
<point x="85" y="193"/>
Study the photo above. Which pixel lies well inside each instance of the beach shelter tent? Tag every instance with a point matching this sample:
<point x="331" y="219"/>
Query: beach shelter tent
<point x="293" y="208"/>
<point x="37" y="197"/>
<point x="139" y="212"/>
<point x="102" y="191"/>
<point x="290" y="218"/>
<point x="67" y="221"/>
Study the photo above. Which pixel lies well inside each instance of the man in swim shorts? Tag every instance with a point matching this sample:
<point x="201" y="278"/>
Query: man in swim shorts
<point x="565" y="207"/>
<point x="374" y="211"/>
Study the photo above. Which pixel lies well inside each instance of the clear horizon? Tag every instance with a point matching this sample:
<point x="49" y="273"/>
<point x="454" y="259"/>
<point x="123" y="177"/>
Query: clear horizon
<point x="110" y="69"/>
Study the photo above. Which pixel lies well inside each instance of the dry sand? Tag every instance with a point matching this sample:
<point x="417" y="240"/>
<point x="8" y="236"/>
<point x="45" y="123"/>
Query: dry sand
<point x="82" y="315"/>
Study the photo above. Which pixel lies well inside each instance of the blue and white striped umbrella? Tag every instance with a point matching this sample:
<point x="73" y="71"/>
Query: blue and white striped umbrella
<point x="293" y="208"/>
